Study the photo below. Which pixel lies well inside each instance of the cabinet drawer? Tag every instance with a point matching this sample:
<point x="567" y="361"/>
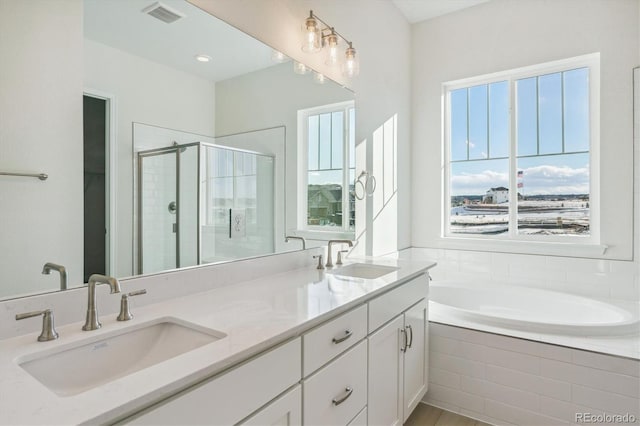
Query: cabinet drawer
<point x="326" y="398"/>
<point x="230" y="397"/>
<point x="383" y="308"/>
<point x="361" y="418"/>
<point x="332" y="338"/>
<point x="284" y="411"/>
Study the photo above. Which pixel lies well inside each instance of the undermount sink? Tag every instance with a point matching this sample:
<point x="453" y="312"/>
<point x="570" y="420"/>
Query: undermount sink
<point x="84" y="366"/>
<point x="363" y="270"/>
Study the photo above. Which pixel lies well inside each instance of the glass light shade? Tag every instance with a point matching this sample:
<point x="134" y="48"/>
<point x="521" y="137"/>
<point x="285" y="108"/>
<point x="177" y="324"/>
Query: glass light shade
<point x="319" y="78"/>
<point x="351" y="66"/>
<point x="278" y="57"/>
<point x="331" y="43"/>
<point x="311" y="35"/>
<point x="300" y="68"/>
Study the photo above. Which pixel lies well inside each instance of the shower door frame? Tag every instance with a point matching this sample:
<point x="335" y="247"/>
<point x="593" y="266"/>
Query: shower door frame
<point x="177" y="149"/>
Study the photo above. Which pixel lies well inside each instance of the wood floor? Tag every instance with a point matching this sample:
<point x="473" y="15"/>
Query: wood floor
<point x="427" y="415"/>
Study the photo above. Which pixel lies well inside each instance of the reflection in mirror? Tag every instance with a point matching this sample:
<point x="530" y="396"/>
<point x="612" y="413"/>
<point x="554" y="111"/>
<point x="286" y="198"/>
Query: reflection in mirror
<point x="202" y="203"/>
<point x="84" y="77"/>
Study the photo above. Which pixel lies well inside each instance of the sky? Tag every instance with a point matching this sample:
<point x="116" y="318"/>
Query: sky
<point x="550" y="110"/>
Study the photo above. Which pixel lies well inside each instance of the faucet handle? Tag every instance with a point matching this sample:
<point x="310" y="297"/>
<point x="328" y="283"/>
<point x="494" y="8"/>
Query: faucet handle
<point x="125" y="313"/>
<point x="48" y="328"/>
<point x="320" y="265"/>
<point x="339" y="261"/>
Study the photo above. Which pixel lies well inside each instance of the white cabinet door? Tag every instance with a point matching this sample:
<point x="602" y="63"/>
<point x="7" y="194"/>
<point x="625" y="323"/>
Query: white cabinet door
<point x="284" y="411"/>
<point x="415" y="357"/>
<point x="385" y="375"/>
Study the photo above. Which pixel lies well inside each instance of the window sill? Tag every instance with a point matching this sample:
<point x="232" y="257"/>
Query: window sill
<point x="323" y="235"/>
<point x="568" y="249"/>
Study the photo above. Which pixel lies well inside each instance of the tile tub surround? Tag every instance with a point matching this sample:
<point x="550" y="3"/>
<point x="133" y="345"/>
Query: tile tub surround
<point x="603" y="279"/>
<point x="256" y="313"/>
<point x="506" y="380"/>
<point x="479" y="266"/>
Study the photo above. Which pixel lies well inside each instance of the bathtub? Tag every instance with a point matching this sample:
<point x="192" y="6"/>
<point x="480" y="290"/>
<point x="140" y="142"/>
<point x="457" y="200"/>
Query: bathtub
<point x="530" y="309"/>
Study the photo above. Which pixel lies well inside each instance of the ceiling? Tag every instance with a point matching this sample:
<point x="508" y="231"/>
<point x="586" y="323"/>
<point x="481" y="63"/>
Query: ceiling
<point x="176" y="44"/>
<point x="420" y="10"/>
<point x="122" y="25"/>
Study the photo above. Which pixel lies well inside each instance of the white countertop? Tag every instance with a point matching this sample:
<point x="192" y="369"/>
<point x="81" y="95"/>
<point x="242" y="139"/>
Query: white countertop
<point x="255" y="315"/>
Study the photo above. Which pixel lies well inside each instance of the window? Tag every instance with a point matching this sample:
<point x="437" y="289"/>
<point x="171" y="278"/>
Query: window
<point x="328" y="168"/>
<point x="519" y="153"/>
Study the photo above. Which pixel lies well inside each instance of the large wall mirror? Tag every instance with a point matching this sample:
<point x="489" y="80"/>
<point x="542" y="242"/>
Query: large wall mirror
<point x="169" y="138"/>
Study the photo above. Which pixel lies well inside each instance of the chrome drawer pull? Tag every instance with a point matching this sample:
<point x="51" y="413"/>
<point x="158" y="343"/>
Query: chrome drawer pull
<point x="410" y="336"/>
<point x="347" y="334"/>
<point x="403" y="348"/>
<point x="338" y="401"/>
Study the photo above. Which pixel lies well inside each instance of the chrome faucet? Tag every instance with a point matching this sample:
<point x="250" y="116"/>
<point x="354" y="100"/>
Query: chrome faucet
<point x="48" y="329"/>
<point x="304" y="242"/>
<point x="48" y="267"/>
<point x="92" y="322"/>
<point x="329" y="260"/>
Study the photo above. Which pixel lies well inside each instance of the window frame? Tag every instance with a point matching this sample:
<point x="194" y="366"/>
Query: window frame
<point x="512" y="241"/>
<point x="323" y="232"/>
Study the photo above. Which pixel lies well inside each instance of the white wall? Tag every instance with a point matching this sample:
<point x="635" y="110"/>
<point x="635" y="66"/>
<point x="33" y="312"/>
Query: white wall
<point x="40" y="132"/>
<point x="382" y="38"/>
<point x="537" y="32"/>
<point x="150" y="93"/>
<point x="501" y="35"/>
<point x="268" y="98"/>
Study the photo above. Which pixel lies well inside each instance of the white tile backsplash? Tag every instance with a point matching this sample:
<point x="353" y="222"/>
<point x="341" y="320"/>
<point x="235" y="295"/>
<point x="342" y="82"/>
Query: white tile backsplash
<point x="70" y="306"/>
<point x="516" y="381"/>
<point x="606" y="279"/>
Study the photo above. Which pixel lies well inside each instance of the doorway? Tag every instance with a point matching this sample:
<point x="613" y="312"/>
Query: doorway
<point x="96" y="113"/>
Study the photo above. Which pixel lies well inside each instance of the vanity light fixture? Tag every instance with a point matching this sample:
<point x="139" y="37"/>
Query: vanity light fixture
<point x="312" y="34"/>
<point x="300" y="68"/>
<point x="203" y="58"/>
<point x="278" y="57"/>
<point x="318" y="37"/>
<point x="319" y="77"/>
<point x="331" y="42"/>
<point x="351" y="66"/>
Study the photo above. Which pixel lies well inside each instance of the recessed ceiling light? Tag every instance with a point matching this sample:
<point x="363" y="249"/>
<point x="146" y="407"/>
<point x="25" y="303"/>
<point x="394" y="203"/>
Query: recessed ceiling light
<point x="203" y="58"/>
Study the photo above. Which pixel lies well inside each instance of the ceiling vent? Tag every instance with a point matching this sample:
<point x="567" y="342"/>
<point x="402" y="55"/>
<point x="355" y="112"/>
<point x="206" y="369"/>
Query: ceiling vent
<point x="163" y="12"/>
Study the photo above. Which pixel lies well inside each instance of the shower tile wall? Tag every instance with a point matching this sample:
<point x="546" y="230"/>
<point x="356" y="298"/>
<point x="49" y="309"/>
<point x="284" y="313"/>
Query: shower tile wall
<point x="607" y="279"/>
<point x="160" y="183"/>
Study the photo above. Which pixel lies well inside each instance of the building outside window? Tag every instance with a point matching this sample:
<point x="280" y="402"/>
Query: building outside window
<point x="520" y="150"/>
<point x="328" y="160"/>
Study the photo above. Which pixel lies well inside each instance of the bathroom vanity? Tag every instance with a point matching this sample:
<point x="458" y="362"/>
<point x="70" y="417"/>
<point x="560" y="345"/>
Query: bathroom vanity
<point x="296" y="347"/>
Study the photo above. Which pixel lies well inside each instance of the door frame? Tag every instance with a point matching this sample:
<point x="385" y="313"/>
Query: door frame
<point x="111" y="170"/>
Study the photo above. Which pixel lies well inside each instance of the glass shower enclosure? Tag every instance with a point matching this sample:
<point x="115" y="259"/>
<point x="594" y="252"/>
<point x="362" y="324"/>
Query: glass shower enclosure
<point x="203" y="203"/>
